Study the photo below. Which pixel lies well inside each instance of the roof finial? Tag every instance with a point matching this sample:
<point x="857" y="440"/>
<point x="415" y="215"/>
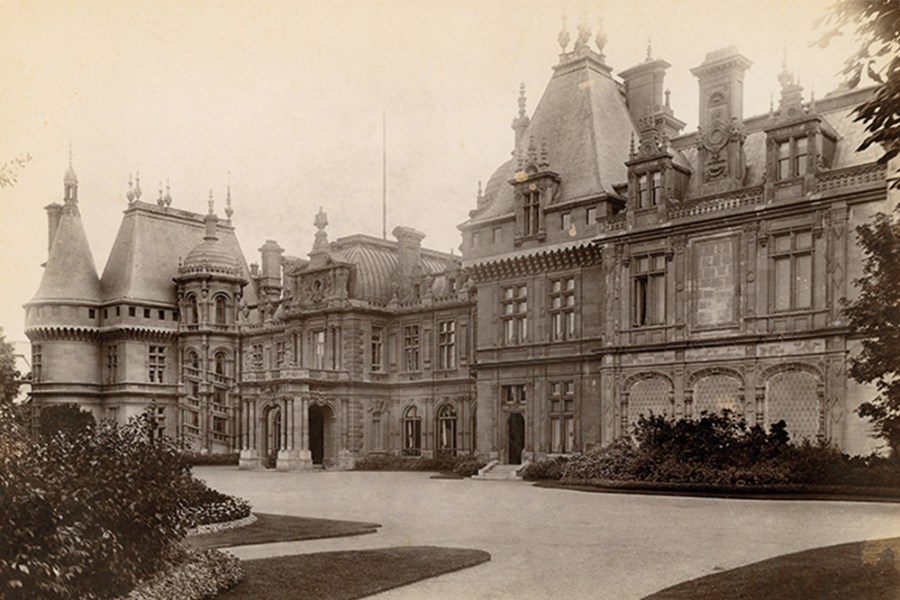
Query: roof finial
<point x="480" y="196"/>
<point x="137" y="186"/>
<point x="649" y="49"/>
<point x="668" y="93"/>
<point x="785" y="78"/>
<point x="168" y="197"/>
<point x="522" y="100"/>
<point x="70" y="179"/>
<point x="600" y="39"/>
<point x="584" y="33"/>
<point x="545" y="159"/>
<point x="228" y="210"/>
<point x="130" y="194"/>
<point x="321" y="222"/>
<point x="563" y="38"/>
<point x="211" y="210"/>
<point x="160" y="201"/>
<point x="631" y="148"/>
<point x="771" y="104"/>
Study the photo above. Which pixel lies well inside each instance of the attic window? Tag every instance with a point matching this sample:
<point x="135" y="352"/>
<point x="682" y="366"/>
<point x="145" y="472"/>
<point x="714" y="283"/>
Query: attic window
<point x="531" y="213"/>
<point x="591" y="215"/>
<point x="146" y="313"/>
<point x="131" y="311"/>
<point x="92" y="313"/>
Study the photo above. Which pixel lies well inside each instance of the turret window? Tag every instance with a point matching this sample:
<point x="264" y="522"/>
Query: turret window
<point x="112" y="364"/>
<point x="156" y="364"/>
<point x="531" y="214"/>
<point x="221" y="308"/>
<point x="193" y="312"/>
<point x="37" y="363"/>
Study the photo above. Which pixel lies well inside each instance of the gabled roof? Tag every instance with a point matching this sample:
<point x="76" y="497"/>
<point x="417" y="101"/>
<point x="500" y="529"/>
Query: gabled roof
<point x="148" y="246"/>
<point x="70" y="273"/>
<point x="584" y="121"/>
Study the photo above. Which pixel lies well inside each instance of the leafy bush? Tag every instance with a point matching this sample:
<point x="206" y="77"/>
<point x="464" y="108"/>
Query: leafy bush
<point x="65" y="419"/>
<point x="394" y="462"/>
<point x="87" y="516"/>
<point x="721" y="450"/>
<point x="547" y="469"/>
<point x="195" y="459"/>
<point x="467" y="467"/>
<point x="207" y="505"/>
<point x="195" y="575"/>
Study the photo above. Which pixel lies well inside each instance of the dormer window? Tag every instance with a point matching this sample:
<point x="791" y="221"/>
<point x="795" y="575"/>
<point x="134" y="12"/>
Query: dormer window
<point x="531" y="217"/>
<point x="649" y="189"/>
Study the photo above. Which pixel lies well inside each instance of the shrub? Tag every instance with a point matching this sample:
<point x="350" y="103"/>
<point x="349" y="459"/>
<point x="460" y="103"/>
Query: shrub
<point x="195" y="459"/>
<point x="467" y="467"/>
<point x="547" y="469"/>
<point x="207" y="505"/>
<point x="195" y="575"/>
<point x="393" y="462"/>
<point x="65" y="419"/>
<point x="87" y="516"/>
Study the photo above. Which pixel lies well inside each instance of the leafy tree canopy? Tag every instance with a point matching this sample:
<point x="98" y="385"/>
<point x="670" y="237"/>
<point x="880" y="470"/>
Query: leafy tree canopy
<point x="876" y="26"/>
<point x="9" y="374"/>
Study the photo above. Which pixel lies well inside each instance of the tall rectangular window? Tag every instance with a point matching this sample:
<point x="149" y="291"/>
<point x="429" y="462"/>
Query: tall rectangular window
<point x="790" y="158"/>
<point x="447" y="345"/>
<point x="801" y="150"/>
<point x="411" y="348"/>
<point x="591" y="215"/>
<point x="565" y="221"/>
<point x="156" y="363"/>
<point x="514" y="314"/>
<point x="257" y="357"/>
<point x="792" y="270"/>
<point x="496" y="235"/>
<point x="562" y="416"/>
<point x="37" y="363"/>
<point x="649" y="290"/>
<point x="279" y="354"/>
<point x="531" y="217"/>
<point x="377" y="349"/>
<point x="112" y="364"/>
<point x="476" y="239"/>
<point x="319" y="348"/>
<point x="643" y="192"/>
<point x="562" y="308"/>
<point x="655" y="188"/>
<point x="783" y="160"/>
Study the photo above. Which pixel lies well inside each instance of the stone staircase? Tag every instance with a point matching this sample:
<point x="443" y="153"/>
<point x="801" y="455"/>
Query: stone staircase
<point x="494" y="471"/>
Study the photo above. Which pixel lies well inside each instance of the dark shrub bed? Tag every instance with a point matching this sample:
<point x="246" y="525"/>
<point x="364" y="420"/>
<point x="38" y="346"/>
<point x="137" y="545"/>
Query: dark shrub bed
<point x="393" y="462"/>
<point x="192" y="575"/>
<point x="723" y="452"/>
<point x="196" y="459"/>
<point x="546" y="469"/>
<point x="207" y="505"/>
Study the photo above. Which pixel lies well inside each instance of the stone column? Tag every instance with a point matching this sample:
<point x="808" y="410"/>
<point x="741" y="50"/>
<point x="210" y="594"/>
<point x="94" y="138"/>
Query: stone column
<point x="250" y="453"/>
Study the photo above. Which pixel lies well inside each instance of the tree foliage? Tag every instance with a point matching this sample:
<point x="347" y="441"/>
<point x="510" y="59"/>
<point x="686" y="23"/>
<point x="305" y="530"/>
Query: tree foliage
<point x="9" y="374"/>
<point x="875" y="314"/>
<point x="66" y="419"/>
<point x="876" y="26"/>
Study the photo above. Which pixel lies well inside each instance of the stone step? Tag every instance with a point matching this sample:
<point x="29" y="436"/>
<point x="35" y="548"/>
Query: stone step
<point x="500" y="472"/>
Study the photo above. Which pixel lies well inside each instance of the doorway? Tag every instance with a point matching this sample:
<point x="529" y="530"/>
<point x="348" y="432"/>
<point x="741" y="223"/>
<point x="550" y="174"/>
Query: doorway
<point x="516" y="427"/>
<point x="271" y="436"/>
<point x="320" y="418"/>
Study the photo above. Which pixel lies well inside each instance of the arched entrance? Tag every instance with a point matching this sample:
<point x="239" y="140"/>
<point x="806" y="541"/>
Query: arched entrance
<point x="515" y="426"/>
<point x="271" y="437"/>
<point x="321" y="441"/>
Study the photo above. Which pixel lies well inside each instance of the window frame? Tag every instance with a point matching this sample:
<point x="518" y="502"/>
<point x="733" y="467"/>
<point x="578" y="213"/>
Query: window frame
<point x="793" y="255"/>
<point x="514" y="314"/>
<point x="156" y="363"/>
<point x="412" y="348"/>
<point x="531" y="213"/>
<point x="648" y="303"/>
<point x="788" y="156"/>
<point x="447" y="344"/>
<point x="376" y="349"/>
<point x="412" y="432"/>
<point x="561" y="416"/>
<point x="562" y="317"/>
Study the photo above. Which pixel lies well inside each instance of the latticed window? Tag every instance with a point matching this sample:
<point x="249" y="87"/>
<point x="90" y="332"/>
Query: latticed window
<point x="513" y="394"/>
<point x="715" y="393"/>
<point x="791" y="158"/>
<point x="531" y="213"/>
<point x="156" y="363"/>
<point x="562" y="416"/>
<point x="220" y="425"/>
<point x="377" y="349"/>
<point x="447" y="345"/>
<point x="411" y="348"/>
<point x="793" y="397"/>
<point x="412" y="432"/>
<point x="377" y="433"/>
<point x="447" y="429"/>
<point x="37" y="362"/>
<point x="791" y="258"/>
<point x="648" y="397"/>
<point x="112" y="363"/>
<point x="514" y="312"/>
<point x="649" y="290"/>
<point x="279" y="354"/>
<point x="257" y="357"/>
<point x="562" y="308"/>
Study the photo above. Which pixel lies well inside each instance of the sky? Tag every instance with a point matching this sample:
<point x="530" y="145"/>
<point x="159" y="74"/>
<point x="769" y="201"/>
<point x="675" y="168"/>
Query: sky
<point x="288" y="98"/>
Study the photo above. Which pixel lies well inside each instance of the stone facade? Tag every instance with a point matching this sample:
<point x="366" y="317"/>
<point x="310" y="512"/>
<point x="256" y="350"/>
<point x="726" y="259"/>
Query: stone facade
<point x="614" y="267"/>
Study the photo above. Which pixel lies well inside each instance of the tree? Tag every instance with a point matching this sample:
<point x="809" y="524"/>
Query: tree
<point x="876" y="26"/>
<point x="875" y="314"/>
<point x="9" y="170"/>
<point x="67" y="419"/>
<point x="9" y="374"/>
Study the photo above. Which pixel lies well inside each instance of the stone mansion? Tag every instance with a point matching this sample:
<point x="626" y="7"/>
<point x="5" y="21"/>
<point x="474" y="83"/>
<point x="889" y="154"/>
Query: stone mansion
<point x="616" y="265"/>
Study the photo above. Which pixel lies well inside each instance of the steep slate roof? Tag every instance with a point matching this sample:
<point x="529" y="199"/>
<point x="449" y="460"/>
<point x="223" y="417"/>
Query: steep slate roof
<point x="145" y="255"/>
<point x="70" y="273"/>
<point x="583" y="118"/>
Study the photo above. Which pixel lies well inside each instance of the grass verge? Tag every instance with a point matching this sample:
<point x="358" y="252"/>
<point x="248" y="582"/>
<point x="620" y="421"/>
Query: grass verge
<point x="280" y="528"/>
<point x="348" y="574"/>
<point x="857" y="571"/>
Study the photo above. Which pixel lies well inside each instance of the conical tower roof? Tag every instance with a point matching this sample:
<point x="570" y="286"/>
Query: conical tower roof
<point x="70" y="274"/>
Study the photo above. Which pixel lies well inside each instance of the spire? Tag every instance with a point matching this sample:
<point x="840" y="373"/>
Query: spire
<point x="520" y="123"/>
<point x="70" y="183"/>
<point x="649" y="56"/>
<point x="211" y="203"/>
<point x="479" y="199"/>
<point x="563" y="38"/>
<point x="321" y="222"/>
<point x="228" y="210"/>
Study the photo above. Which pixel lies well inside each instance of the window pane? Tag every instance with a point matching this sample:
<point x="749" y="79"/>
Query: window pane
<point x="644" y="264"/>
<point x="659" y="262"/>
<point x="782" y="283"/>
<point x="804" y="240"/>
<point x="556" y="285"/>
<point x="570" y="434"/>
<point x="783" y="243"/>
<point x="803" y="284"/>
<point x="570" y="283"/>
<point x="659" y="300"/>
<point x="556" y="429"/>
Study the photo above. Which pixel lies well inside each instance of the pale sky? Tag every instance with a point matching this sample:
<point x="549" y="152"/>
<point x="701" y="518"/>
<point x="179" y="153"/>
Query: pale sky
<point x="288" y="97"/>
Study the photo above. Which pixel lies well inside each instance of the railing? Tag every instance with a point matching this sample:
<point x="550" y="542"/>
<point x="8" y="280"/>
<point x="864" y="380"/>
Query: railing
<point x="704" y="206"/>
<point x="298" y="373"/>
<point x="613" y="223"/>
<point x="850" y="177"/>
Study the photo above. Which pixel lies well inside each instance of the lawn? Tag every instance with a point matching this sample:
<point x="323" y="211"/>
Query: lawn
<point x="857" y="571"/>
<point x="280" y="528"/>
<point x="348" y="574"/>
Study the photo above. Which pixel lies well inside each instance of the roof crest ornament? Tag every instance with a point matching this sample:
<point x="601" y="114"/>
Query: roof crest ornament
<point x="130" y="194"/>
<point x="522" y="100"/>
<point x="160" y="200"/>
<point x="168" y="196"/>
<point x="321" y="222"/>
<point x="211" y="204"/>
<point x="228" y="210"/>
<point x="649" y="49"/>
<point x="479" y="199"/>
<point x="563" y="38"/>
<point x="137" y="186"/>
<point x="600" y="39"/>
<point x="584" y="34"/>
